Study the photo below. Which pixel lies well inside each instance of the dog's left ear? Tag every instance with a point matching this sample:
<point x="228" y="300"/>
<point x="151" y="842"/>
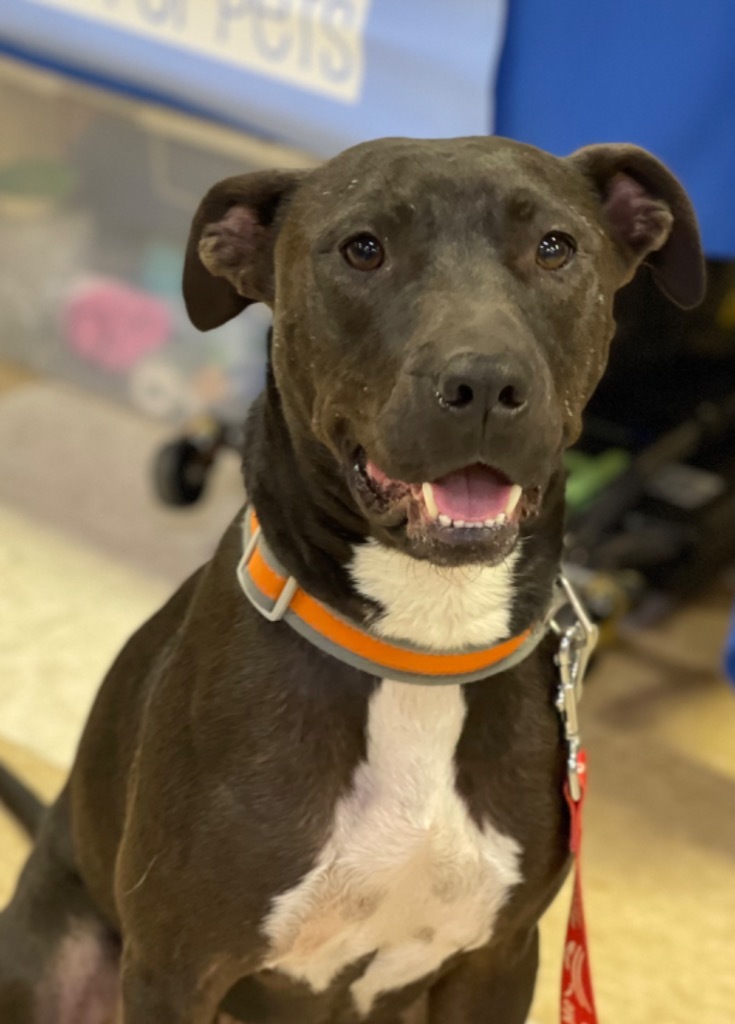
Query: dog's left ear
<point x="229" y="259"/>
<point x="650" y="218"/>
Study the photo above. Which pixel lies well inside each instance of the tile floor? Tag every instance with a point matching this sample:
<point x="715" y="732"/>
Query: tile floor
<point x="86" y="554"/>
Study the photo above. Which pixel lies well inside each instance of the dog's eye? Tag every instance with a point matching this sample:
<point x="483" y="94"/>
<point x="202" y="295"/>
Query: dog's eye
<point x="364" y="252"/>
<point x="555" y="250"/>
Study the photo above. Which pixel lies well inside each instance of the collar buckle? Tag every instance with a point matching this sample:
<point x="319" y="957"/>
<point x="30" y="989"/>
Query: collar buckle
<point x="577" y="640"/>
<point x="284" y="599"/>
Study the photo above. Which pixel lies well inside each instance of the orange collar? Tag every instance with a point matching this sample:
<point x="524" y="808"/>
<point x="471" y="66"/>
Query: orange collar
<point x="276" y="595"/>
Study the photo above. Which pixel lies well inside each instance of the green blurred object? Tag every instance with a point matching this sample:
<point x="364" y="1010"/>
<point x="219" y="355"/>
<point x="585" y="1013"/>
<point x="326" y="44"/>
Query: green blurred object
<point x="161" y="268"/>
<point x="591" y="474"/>
<point x="37" y="179"/>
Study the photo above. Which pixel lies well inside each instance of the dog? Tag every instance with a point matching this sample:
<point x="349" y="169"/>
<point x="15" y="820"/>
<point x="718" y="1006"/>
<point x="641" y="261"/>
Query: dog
<point x="324" y="783"/>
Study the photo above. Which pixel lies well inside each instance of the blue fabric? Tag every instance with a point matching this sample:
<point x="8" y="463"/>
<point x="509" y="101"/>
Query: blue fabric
<point x="660" y="73"/>
<point x="730" y="651"/>
<point x="428" y="68"/>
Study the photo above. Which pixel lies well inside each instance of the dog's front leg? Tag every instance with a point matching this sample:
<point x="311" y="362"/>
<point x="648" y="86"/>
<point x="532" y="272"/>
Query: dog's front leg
<point x="488" y="985"/>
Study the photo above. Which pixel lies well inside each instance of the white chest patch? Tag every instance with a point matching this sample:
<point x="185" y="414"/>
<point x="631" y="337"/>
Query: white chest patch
<point x="406" y="876"/>
<point x="433" y="606"/>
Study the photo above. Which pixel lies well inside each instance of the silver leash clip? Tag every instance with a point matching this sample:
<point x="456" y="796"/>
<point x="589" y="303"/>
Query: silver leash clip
<point x="578" y="636"/>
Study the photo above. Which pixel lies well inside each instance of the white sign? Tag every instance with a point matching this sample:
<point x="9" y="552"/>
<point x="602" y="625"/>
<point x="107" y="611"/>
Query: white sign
<point x="315" y="44"/>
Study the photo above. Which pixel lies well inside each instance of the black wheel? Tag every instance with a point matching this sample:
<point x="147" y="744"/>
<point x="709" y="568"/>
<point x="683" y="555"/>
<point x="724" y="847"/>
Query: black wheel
<point x="180" y="472"/>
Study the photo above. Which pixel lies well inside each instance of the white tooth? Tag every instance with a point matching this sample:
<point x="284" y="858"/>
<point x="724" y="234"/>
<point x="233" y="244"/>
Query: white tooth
<point x="497" y="521"/>
<point x="428" y="492"/>
<point x="475" y="526"/>
<point x="513" y="499"/>
<point x="459" y="522"/>
<point x="445" y="520"/>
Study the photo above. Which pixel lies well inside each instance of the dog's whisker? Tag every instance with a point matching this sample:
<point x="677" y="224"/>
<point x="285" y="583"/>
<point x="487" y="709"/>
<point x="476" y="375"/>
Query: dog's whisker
<point x="143" y="878"/>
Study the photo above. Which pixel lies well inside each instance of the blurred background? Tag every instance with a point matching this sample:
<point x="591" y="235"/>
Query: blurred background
<point x="120" y="424"/>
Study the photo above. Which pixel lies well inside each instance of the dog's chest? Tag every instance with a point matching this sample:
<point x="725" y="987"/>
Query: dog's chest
<point x="407" y="878"/>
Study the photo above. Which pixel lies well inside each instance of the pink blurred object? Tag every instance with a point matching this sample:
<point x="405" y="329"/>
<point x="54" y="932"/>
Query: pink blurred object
<point x="113" y="324"/>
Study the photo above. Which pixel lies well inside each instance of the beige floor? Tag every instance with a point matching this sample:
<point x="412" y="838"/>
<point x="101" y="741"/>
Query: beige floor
<point x="659" y="720"/>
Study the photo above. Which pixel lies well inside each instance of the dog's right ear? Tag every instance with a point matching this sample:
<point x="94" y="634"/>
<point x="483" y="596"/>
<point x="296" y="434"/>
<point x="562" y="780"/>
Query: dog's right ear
<point x="229" y="255"/>
<point x="650" y="218"/>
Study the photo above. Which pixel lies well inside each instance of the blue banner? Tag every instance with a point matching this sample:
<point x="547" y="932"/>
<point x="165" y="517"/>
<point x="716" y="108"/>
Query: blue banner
<point x="317" y="74"/>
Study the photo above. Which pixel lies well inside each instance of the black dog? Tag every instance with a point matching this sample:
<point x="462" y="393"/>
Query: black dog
<point x="262" y="819"/>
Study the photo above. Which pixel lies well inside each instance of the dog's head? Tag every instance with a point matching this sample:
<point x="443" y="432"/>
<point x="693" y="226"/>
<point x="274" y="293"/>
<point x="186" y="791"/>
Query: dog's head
<point x="442" y="313"/>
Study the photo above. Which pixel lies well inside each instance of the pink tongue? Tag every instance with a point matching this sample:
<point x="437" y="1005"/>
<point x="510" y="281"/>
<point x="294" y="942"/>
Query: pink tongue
<point x="473" y="494"/>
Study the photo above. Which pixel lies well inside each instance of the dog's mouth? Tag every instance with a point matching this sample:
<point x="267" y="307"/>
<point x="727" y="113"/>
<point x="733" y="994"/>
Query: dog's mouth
<point x="476" y="508"/>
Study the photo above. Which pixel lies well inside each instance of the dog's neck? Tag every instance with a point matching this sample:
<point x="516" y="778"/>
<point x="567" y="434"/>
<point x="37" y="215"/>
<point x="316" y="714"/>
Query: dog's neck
<point x="314" y="530"/>
<point x="304" y="508"/>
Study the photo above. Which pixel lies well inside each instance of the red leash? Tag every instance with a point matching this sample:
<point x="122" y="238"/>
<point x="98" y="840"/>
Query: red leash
<point x="577" y="995"/>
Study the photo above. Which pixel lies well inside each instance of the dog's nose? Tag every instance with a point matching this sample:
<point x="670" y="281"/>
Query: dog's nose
<point x="483" y="384"/>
